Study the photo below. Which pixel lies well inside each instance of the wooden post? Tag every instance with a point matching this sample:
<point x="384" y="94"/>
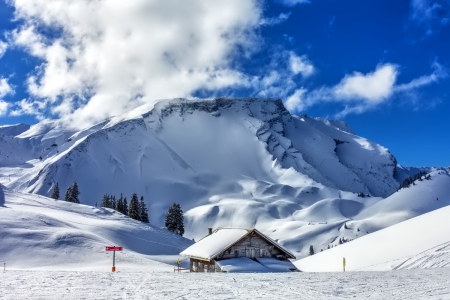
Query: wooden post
<point x="343" y="264"/>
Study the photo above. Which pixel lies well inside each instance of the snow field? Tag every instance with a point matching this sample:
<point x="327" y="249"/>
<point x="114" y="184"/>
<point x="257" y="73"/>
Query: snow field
<point x="410" y="284"/>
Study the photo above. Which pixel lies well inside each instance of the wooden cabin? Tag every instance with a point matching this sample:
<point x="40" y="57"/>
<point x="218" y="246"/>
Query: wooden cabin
<point x="238" y="250"/>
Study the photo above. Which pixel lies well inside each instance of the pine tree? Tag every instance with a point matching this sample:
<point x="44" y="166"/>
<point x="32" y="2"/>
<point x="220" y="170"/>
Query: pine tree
<point x="105" y="201"/>
<point x="68" y="196"/>
<point x="125" y="206"/>
<point x="75" y="193"/>
<point x="133" y="210"/>
<point x="311" y="250"/>
<point x="143" y="212"/>
<point x="340" y="241"/>
<point x="345" y="226"/>
<point x="113" y="202"/>
<point x="119" y="205"/>
<point x="175" y="219"/>
<point x="55" y="192"/>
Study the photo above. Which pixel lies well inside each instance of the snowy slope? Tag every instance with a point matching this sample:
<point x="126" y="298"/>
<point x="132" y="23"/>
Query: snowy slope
<point x="228" y="162"/>
<point x="38" y="232"/>
<point x="420" y="242"/>
<point x="13" y="130"/>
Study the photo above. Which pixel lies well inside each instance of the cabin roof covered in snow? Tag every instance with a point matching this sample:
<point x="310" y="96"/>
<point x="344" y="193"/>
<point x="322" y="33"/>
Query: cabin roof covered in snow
<point x="223" y="238"/>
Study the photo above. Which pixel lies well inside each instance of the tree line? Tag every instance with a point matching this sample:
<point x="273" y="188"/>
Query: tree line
<point x="137" y="210"/>
<point x="410" y="180"/>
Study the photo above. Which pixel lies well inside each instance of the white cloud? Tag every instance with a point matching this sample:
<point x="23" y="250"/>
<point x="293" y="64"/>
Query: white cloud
<point x="293" y="2"/>
<point x="438" y="73"/>
<point x="301" y="64"/>
<point x="5" y="88"/>
<point x="372" y="87"/>
<point x="112" y="56"/>
<point x="360" y="92"/>
<point x="294" y="102"/>
<point x="3" y="107"/>
<point x="3" y="47"/>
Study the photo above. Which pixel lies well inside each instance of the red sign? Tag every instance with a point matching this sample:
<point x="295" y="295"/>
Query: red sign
<point x="113" y="248"/>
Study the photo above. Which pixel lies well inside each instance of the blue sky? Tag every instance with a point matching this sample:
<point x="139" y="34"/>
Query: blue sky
<point x="382" y="66"/>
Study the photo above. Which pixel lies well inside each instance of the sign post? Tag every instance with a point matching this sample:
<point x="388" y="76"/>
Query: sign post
<point x="114" y="249"/>
<point x="343" y="263"/>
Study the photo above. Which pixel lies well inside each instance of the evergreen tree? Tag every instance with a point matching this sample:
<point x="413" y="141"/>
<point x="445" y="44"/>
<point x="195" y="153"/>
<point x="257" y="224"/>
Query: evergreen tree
<point x="125" y="206"/>
<point x="175" y="219"/>
<point x="340" y="241"/>
<point x="68" y="196"/>
<point x="311" y="250"/>
<point x="55" y="192"/>
<point x="133" y="210"/>
<point x="345" y="226"/>
<point x="113" y="202"/>
<point x="119" y="205"/>
<point x="143" y="212"/>
<point x="75" y="193"/>
<point x="105" y="201"/>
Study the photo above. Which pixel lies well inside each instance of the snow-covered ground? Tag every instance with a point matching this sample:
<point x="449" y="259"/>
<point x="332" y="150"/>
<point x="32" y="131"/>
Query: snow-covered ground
<point x="40" y="233"/>
<point x="408" y="284"/>
<point x="420" y="242"/>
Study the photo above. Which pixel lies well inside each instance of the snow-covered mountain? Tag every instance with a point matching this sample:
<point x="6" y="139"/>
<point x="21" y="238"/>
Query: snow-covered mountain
<point x="228" y="162"/>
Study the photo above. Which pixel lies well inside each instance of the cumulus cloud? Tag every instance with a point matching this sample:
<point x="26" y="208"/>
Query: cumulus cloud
<point x="360" y="92"/>
<point x="301" y="64"/>
<point x="5" y="89"/>
<point x="3" y="47"/>
<point x="372" y="87"/>
<point x="104" y="57"/>
<point x="430" y="14"/>
<point x="295" y="102"/>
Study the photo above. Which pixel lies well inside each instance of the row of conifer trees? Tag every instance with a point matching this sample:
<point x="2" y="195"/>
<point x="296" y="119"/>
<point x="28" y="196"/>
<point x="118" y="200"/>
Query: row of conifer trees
<point x="137" y="209"/>
<point x="174" y="219"/>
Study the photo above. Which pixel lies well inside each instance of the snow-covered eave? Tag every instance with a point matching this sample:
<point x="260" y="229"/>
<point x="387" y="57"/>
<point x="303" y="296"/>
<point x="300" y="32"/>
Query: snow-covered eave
<point x="221" y="251"/>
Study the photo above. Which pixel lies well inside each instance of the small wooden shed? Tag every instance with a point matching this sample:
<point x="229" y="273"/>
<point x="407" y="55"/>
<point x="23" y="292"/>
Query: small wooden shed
<point x="238" y="250"/>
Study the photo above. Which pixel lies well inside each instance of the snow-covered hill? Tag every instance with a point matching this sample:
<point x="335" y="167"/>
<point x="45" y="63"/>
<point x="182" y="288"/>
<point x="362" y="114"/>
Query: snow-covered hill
<point x="38" y="232"/>
<point x="420" y="242"/>
<point x="229" y="163"/>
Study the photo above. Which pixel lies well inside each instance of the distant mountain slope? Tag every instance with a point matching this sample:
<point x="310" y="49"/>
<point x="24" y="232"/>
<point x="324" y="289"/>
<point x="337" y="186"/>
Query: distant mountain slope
<point x="13" y="130"/>
<point x="40" y="232"/>
<point x="421" y="242"/>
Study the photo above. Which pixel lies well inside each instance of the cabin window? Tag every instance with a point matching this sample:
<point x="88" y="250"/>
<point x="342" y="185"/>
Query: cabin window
<point x="236" y="253"/>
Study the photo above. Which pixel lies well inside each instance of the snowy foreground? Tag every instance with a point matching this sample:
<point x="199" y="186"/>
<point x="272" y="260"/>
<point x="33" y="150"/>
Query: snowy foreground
<point x="406" y="284"/>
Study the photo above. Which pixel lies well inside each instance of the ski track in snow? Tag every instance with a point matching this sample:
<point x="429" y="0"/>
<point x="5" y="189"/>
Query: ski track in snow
<point x="407" y="284"/>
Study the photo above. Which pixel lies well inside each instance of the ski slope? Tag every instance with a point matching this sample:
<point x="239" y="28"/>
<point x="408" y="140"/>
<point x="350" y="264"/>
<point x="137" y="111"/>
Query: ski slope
<point x="42" y="233"/>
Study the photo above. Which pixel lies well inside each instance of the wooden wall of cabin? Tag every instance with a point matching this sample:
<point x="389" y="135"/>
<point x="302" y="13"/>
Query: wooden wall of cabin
<point x="252" y="246"/>
<point x="197" y="265"/>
